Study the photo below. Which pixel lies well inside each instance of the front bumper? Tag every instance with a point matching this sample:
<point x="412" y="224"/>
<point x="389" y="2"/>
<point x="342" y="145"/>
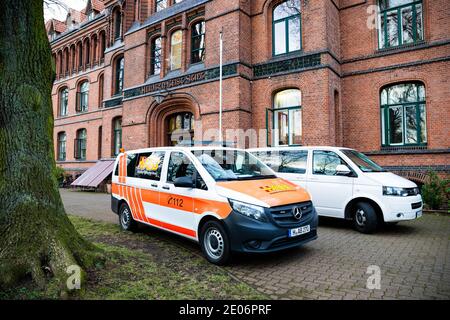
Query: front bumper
<point x="244" y="232"/>
<point x="402" y="208"/>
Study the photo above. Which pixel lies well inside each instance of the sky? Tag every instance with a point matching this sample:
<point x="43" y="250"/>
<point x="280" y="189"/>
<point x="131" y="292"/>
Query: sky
<point x="58" y="12"/>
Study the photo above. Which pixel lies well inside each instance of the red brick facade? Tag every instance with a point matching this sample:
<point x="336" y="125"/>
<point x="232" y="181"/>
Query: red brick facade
<point x="340" y="72"/>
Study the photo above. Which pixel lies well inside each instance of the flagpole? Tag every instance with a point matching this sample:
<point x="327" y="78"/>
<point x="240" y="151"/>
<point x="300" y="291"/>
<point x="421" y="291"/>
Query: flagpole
<point x="220" y="86"/>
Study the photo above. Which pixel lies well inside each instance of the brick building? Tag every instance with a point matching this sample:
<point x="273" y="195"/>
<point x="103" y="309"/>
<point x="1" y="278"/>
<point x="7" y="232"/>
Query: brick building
<point x="310" y="72"/>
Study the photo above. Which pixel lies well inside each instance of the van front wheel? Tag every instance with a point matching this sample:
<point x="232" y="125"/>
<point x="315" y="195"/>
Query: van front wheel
<point x="364" y="217"/>
<point x="215" y="243"/>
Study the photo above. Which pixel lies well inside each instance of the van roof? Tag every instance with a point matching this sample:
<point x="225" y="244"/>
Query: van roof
<point x="178" y="148"/>
<point x="298" y="148"/>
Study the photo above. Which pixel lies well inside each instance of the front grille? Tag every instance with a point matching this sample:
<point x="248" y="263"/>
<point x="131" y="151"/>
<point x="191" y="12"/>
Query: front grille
<point x="283" y="215"/>
<point x="416" y="205"/>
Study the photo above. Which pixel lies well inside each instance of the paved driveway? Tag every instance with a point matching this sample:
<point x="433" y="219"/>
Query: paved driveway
<point x="413" y="258"/>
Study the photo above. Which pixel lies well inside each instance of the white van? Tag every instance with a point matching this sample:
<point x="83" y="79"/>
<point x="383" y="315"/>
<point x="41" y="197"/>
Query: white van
<point x="344" y="183"/>
<point x="225" y="199"/>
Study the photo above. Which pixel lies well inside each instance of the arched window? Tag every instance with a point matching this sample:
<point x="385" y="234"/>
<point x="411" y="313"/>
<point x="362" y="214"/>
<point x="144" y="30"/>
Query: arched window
<point x="180" y="126"/>
<point x="80" y="145"/>
<point x="83" y="97"/>
<point x="61" y="146"/>
<point x="400" y="22"/>
<point x="117" y="135"/>
<point x="87" y="48"/>
<point x="80" y="56"/>
<point x="403" y="115"/>
<point x="286" y="27"/>
<point x="160" y="5"/>
<point x="155" y="56"/>
<point x="118" y="83"/>
<point x="198" y="42"/>
<point x="286" y="118"/>
<point x="175" y="49"/>
<point x="63" y="102"/>
<point x="117" y="24"/>
<point x="100" y="90"/>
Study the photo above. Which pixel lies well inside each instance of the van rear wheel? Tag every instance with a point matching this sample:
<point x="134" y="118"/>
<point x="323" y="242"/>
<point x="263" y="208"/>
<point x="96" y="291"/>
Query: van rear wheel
<point x="365" y="217"/>
<point x="215" y="243"/>
<point x="126" y="220"/>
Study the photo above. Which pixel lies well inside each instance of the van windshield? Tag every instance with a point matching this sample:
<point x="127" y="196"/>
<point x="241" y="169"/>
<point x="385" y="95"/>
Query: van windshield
<point x="364" y="163"/>
<point x="228" y="165"/>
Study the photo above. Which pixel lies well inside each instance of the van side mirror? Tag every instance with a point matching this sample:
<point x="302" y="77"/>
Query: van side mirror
<point x="342" y="170"/>
<point x="184" y="182"/>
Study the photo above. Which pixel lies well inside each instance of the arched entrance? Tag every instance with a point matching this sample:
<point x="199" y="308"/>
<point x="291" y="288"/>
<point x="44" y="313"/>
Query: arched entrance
<point x="172" y="121"/>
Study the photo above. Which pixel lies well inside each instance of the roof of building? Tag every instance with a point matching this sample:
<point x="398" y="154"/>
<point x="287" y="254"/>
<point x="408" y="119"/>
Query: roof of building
<point x="75" y="15"/>
<point x="95" y="174"/>
<point x="56" y="25"/>
<point x="96" y="5"/>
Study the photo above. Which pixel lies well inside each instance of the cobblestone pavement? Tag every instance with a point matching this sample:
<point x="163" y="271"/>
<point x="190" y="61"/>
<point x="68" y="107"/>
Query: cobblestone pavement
<point x="414" y="258"/>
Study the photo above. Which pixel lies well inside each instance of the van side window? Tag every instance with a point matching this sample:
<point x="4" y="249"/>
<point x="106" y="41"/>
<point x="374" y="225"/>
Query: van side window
<point x="131" y="164"/>
<point x="325" y="162"/>
<point x="285" y="161"/>
<point x="181" y="166"/>
<point x="149" y="165"/>
<point x="116" y="171"/>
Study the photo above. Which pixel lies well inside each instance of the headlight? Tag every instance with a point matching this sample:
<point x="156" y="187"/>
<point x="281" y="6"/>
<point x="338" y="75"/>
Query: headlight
<point x="400" y="192"/>
<point x="249" y="210"/>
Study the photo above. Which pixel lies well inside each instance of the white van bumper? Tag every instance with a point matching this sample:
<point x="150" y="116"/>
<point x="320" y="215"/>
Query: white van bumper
<point x="402" y="208"/>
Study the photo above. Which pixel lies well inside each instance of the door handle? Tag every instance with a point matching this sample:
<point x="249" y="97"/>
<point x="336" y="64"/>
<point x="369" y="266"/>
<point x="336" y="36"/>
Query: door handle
<point x="166" y="187"/>
<point x="154" y="185"/>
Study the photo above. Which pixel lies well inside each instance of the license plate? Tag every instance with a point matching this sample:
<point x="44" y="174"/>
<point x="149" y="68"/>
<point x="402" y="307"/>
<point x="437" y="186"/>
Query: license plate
<point x="418" y="214"/>
<point x="299" y="231"/>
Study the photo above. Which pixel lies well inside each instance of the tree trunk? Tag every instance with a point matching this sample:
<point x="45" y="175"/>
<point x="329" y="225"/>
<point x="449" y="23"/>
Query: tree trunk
<point x="36" y="236"/>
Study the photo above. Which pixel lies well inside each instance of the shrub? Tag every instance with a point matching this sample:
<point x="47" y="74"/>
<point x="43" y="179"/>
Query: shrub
<point x="59" y="174"/>
<point x="434" y="191"/>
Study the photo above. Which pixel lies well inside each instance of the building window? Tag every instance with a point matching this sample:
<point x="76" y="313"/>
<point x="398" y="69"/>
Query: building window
<point x="63" y="102"/>
<point x="177" y="1"/>
<point x="80" y="145"/>
<point x="83" y="97"/>
<point x="100" y="90"/>
<point x="160" y="5"/>
<point x="175" y="50"/>
<point x="198" y="42"/>
<point x="403" y="114"/>
<point x="286" y="28"/>
<point x="284" y="120"/>
<point x="117" y="136"/>
<point x="61" y="146"/>
<point x="400" y="22"/>
<point x="117" y="24"/>
<point x="180" y="128"/>
<point x="119" y="75"/>
<point x="155" y="56"/>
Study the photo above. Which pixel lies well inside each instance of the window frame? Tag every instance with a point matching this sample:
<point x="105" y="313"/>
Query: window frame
<point x="383" y="44"/>
<point x="384" y="112"/>
<point x="158" y="2"/>
<point x="288" y="109"/>
<point x="153" y="59"/>
<point x="80" y="95"/>
<point x="61" y="156"/>
<point x="193" y="37"/>
<point x="171" y="50"/>
<point x="286" y="29"/>
<point x="80" y="150"/>
<point x="119" y="72"/>
<point x="117" y="134"/>
<point x="63" y="96"/>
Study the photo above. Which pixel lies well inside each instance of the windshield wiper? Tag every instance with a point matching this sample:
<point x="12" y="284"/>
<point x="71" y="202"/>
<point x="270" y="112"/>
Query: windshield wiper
<point x="257" y="177"/>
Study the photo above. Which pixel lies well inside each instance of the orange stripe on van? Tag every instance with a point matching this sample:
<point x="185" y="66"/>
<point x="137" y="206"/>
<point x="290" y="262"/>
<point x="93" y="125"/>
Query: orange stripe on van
<point x="172" y="227"/>
<point x="222" y="209"/>
<point x="136" y="204"/>
<point x="141" y="205"/>
<point x="178" y="202"/>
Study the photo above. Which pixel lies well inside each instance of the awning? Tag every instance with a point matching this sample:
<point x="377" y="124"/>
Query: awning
<point x="95" y="175"/>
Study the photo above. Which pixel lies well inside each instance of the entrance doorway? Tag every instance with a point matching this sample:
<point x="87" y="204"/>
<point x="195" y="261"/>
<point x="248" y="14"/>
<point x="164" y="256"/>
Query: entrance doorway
<point x="179" y="128"/>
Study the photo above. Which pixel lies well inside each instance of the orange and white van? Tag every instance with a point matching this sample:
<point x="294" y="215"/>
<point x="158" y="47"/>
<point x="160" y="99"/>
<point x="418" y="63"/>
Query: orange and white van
<point x="224" y="198"/>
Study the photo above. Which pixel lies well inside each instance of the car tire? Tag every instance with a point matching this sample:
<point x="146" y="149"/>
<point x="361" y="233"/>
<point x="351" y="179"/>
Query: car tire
<point x="365" y="217"/>
<point x="126" y="220"/>
<point x="215" y="243"/>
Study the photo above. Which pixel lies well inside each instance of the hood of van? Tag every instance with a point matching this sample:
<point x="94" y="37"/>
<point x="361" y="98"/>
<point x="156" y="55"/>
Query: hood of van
<point x="389" y="179"/>
<point x="265" y="192"/>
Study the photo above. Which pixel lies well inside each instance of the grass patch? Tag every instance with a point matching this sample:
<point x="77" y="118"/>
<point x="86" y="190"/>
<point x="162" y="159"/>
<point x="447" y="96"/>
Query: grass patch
<point x="142" y="266"/>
